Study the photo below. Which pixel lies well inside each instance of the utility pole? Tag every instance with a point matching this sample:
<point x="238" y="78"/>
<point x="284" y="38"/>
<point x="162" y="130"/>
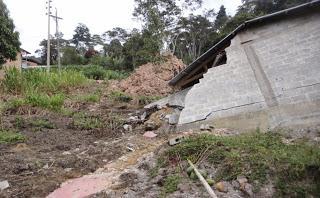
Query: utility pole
<point x="48" y="41"/>
<point x="58" y="37"/>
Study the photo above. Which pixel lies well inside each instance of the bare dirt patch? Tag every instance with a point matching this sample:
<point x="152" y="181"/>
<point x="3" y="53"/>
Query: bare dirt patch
<point x="55" y="149"/>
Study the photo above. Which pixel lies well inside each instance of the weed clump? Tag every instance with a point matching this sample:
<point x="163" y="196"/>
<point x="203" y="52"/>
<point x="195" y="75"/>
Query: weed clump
<point x="171" y="184"/>
<point x="120" y="96"/>
<point x="10" y="137"/>
<point x="86" y="122"/>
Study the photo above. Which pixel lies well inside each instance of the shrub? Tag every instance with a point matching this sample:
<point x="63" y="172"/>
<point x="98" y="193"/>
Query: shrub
<point x="94" y="72"/>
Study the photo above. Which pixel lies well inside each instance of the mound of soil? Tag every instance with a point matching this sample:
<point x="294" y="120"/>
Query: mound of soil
<point x="151" y="79"/>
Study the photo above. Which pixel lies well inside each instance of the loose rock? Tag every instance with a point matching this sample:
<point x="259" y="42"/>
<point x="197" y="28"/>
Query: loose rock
<point x="4" y="185"/>
<point x="127" y="127"/>
<point x="247" y="189"/>
<point x="173" y="119"/>
<point x="150" y="134"/>
<point x="150" y="126"/>
<point x="221" y="187"/>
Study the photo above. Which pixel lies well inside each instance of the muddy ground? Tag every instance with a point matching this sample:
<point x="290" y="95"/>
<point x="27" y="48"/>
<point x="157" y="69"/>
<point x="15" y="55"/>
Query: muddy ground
<point x="56" y="148"/>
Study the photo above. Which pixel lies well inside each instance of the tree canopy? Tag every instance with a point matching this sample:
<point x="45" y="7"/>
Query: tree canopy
<point x="9" y="38"/>
<point x="166" y="27"/>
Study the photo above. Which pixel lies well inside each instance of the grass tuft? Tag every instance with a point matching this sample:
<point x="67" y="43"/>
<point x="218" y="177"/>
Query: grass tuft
<point x="10" y="137"/>
<point x="120" y="96"/>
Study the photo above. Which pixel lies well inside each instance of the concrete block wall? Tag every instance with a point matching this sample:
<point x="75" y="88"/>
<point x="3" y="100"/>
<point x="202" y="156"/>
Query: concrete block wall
<point x="268" y="68"/>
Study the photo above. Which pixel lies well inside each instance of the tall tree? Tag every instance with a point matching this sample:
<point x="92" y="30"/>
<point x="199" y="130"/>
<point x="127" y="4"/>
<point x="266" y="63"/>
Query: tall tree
<point x="82" y="38"/>
<point x="53" y="49"/>
<point x="9" y="38"/>
<point x="194" y="34"/>
<point x="221" y="18"/>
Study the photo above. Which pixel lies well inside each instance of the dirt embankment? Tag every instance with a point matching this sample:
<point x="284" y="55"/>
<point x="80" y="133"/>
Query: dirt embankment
<point x="151" y="79"/>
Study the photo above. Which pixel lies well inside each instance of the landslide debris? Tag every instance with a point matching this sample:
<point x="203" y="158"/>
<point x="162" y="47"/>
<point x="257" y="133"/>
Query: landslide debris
<point x="151" y="79"/>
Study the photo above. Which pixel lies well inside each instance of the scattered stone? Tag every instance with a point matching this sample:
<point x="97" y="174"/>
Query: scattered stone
<point x="242" y="180"/>
<point x="206" y="127"/>
<point x="66" y="153"/>
<point x="127" y="127"/>
<point x="221" y="187"/>
<point x="144" y="116"/>
<point x="68" y="169"/>
<point x="4" y="185"/>
<point x="247" y="189"/>
<point x="176" y="140"/>
<point x="133" y="119"/>
<point x="235" y="184"/>
<point x="46" y="166"/>
<point x="182" y="187"/>
<point x="130" y="147"/>
<point x="150" y="134"/>
<point x="173" y="119"/>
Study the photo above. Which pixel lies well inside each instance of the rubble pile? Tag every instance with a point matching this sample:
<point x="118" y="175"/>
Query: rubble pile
<point x="151" y="79"/>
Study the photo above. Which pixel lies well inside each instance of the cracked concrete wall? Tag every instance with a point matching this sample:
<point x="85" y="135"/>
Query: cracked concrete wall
<point x="176" y="100"/>
<point x="272" y="68"/>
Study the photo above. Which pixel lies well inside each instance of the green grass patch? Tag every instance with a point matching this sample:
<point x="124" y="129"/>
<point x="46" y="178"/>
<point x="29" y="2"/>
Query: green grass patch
<point x="87" y="122"/>
<point x="295" y="168"/>
<point x="92" y="97"/>
<point x="120" y="96"/>
<point x="170" y="184"/>
<point x="17" y="82"/>
<point x="42" y="124"/>
<point x="10" y="137"/>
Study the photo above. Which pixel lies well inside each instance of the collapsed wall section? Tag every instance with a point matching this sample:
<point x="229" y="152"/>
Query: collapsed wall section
<point x="272" y="68"/>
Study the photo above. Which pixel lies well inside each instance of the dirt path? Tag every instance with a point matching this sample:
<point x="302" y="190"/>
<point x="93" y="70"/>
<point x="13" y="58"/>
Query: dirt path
<point x="108" y="177"/>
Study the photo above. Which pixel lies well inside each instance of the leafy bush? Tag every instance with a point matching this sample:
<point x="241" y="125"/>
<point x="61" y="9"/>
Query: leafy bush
<point x="94" y="72"/>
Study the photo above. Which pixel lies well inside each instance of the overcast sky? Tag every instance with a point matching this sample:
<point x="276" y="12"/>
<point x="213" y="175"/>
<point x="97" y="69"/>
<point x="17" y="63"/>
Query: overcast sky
<point x="99" y="15"/>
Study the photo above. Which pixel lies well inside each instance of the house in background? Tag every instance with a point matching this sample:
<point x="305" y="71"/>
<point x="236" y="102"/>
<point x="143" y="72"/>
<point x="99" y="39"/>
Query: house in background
<point x="30" y="61"/>
<point x="18" y="62"/>
<point x="265" y="74"/>
<point x="23" y="60"/>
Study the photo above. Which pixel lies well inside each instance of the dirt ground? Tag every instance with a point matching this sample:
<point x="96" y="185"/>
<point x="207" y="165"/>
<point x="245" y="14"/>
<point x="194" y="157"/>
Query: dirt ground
<point x="53" y="154"/>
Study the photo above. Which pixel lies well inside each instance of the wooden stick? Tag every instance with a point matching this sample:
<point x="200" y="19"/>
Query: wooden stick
<point x="203" y="181"/>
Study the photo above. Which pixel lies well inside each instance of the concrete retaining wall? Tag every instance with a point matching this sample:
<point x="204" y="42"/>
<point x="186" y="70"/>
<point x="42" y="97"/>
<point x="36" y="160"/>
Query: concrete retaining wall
<point x="271" y="79"/>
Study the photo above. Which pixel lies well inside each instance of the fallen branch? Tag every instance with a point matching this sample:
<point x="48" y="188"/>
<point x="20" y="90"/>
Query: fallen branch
<point x="203" y="181"/>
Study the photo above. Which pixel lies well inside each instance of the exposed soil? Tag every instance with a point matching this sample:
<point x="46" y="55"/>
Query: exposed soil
<point x="151" y="79"/>
<point x="53" y="154"/>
